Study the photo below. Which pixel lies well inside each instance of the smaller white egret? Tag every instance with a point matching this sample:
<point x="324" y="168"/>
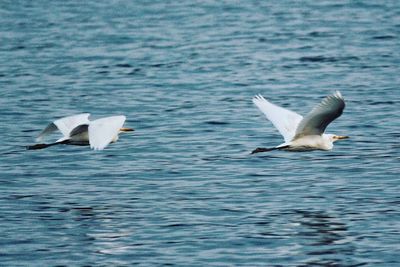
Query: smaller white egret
<point x="78" y="130"/>
<point x="303" y="134"/>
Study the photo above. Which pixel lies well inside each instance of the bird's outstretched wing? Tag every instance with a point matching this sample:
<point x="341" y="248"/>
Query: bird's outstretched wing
<point x="316" y="121"/>
<point x="284" y="120"/>
<point x="48" y="130"/>
<point x="104" y="131"/>
<point x="64" y="125"/>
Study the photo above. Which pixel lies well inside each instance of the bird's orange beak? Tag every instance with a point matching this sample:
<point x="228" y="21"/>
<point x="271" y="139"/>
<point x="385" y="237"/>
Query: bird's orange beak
<point x="342" y="137"/>
<point x="126" y="130"/>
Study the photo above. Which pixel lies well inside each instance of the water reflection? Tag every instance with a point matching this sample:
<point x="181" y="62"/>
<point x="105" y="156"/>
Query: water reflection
<point x="326" y="239"/>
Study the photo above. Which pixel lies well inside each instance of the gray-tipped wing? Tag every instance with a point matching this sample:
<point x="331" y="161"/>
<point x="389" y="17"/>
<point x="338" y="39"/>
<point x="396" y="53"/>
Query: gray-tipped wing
<point x="315" y="122"/>
<point x="64" y="125"/>
<point x="48" y="130"/>
<point x="80" y="129"/>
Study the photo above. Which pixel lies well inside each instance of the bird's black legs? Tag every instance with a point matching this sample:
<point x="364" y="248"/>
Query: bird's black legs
<point x="41" y="146"/>
<point x="38" y="146"/>
<point x="264" y="149"/>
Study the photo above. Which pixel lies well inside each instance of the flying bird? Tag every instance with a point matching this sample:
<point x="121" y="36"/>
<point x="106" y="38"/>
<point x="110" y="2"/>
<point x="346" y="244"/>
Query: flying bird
<point x="303" y="133"/>
<point x="79" y="130"/>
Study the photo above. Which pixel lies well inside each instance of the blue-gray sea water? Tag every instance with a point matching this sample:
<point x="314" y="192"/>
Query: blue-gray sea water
<point x="183" y="189"/>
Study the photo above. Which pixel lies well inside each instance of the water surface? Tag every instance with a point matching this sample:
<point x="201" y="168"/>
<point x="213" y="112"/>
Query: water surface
<point x="182" y="189"/>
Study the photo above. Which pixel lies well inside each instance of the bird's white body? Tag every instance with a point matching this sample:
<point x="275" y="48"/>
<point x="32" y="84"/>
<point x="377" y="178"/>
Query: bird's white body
<point x="310" y="142"/>
<point x="79" y="130"/>
<point x="304" y="133"/>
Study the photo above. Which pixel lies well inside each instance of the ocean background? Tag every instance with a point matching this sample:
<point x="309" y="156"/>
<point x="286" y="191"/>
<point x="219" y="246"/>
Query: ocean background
<point x="183" y="189"/>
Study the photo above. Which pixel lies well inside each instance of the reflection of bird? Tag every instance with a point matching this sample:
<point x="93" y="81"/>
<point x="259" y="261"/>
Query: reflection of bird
<point x="78" y="130"/>
<point x="303" y="134"/>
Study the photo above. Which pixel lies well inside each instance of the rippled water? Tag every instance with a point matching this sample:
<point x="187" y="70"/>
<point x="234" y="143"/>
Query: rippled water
<point x="183" y="189"/>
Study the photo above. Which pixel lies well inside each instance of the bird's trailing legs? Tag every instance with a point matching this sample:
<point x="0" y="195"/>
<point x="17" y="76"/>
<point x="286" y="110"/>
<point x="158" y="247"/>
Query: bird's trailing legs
<point x="41" y="146"/>
<point x="264" y="149"/>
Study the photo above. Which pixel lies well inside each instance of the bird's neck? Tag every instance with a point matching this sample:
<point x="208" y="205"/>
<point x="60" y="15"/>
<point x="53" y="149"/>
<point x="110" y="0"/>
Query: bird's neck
<point x="328" y="142"/>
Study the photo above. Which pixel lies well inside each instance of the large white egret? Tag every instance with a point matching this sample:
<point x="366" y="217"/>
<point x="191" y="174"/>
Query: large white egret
<point x="303" y="134"/>
<point x="78" y="130"/>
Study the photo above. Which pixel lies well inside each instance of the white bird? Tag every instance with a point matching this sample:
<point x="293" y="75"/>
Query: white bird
<point x="78" y="130"/>
<point x="303" y="134"/>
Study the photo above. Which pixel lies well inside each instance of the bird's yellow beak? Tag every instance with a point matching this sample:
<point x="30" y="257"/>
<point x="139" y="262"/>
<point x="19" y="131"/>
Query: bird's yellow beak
<point x="342" y="137"/>
<point x="126" y="130"/>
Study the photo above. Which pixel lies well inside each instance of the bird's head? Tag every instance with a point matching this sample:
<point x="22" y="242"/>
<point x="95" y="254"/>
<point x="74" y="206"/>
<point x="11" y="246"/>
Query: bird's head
<point x="126" y="130"/>
<point x="335" y="137"/>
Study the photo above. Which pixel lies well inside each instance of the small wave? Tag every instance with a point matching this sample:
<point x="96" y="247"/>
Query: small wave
<point x="324" y="59"/>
